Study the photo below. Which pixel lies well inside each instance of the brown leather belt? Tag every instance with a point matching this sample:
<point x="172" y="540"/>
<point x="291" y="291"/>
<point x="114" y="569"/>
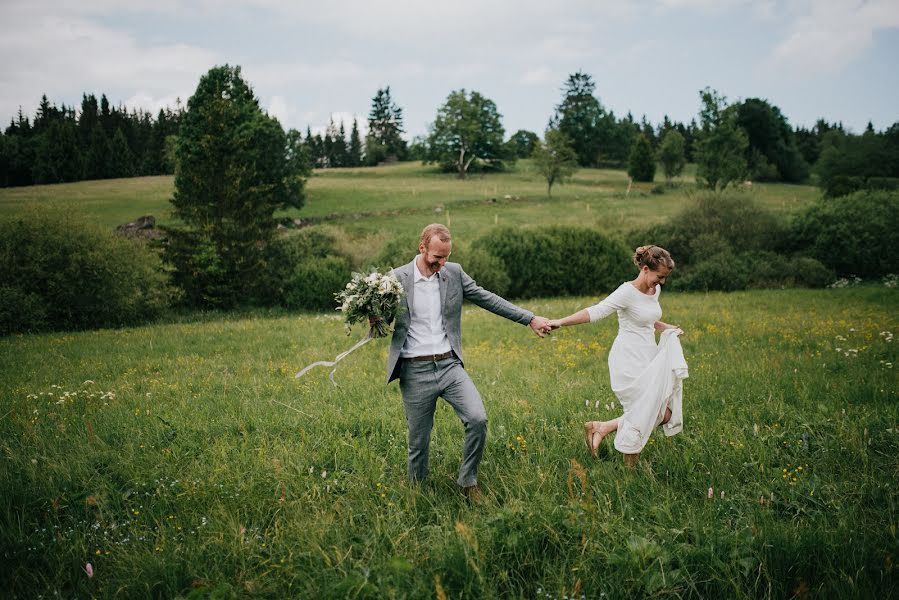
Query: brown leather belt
<point x="432" y="357"/>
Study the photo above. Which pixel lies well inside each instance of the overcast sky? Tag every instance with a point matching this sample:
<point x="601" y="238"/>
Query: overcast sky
<point x="308" y="61"/>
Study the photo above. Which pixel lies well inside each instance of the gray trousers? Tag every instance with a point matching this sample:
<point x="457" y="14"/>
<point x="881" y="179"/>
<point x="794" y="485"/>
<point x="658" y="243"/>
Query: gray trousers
<point x="421" y="383"/>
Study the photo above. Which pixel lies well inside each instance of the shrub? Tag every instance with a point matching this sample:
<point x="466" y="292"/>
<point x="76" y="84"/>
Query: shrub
<point x="315" y="280"/>
<point x="69" y="274"/>
<point x="552" y="261"/>
<point x="728" y="271"/>
<point x="853" y="235"/>
<point x="302" y="268"/>
<point x="713" y="222"/>
<point x="487" y="270"/>
<point x="398" y="252"/>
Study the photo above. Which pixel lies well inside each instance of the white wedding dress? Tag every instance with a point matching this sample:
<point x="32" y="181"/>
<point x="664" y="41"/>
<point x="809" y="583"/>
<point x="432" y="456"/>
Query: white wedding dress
<point x="647" y="378"/>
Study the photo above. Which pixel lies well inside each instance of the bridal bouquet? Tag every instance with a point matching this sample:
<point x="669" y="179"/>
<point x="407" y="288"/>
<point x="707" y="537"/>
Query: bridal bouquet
<point x="373" y="295"/>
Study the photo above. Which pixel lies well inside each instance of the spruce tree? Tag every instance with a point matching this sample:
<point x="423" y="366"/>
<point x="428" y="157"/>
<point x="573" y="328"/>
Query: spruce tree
<point x="233" y="172"/>
<point x="385" y="127"/>
<point x="97" y="156"/>
<point x="354" y="158"/>
<point x="121" y="160"/>
<point x="641" y="164"/>
<point x="580" y="117"/>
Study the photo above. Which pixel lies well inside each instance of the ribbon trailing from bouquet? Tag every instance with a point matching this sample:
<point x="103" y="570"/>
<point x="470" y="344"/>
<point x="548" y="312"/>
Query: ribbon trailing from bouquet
<point x="337" y="359"/>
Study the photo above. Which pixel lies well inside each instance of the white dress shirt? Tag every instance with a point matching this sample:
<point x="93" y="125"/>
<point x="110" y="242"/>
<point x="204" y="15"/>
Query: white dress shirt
<point x="427" y="333"/>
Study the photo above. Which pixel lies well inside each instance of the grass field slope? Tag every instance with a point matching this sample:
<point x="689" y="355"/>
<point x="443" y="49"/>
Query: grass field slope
<point x="182" y="458"/>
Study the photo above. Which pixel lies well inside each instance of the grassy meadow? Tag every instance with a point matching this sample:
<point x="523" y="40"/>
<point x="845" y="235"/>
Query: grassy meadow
<point x="182" y="459"/>
<point x="373" y="205"/>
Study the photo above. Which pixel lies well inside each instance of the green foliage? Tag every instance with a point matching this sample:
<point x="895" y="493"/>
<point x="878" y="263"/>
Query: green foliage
<point x="522" y="144"/>
<point x="729" y="271"/>
<point x="121" y="160"/>
<point x="467" y="133"/>
<point x="234" y="171"/>
<point x="555" y="159"/>
<point x="314" y="281"/>
<point x="63" y="273"/>
<point x="385" y="127"/>
<point x="850" y="163"/>
<point x="581" y="117"/>
<point x="727" y="243"/>
<point x="721" y="144"/>
<point x="714" y="223"/>
<point x="854" y="234"/>
<point x="642" y="162"/>
<point x="557" y="261"/>
<point x="671" y="154"/>
<point x="304" y="270"/>
<point x="486" y="269"/>
<point x="772" y="154"/>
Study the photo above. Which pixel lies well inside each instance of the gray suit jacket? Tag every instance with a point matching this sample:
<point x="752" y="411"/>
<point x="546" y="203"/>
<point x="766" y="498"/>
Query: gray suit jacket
<point x="455" y="285"/>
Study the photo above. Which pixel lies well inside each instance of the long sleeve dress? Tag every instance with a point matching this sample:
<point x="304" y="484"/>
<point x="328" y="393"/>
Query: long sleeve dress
<point x="647" y="378"/>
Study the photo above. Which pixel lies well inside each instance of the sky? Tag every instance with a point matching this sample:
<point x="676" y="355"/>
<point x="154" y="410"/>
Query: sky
<point x="309" y="62"/>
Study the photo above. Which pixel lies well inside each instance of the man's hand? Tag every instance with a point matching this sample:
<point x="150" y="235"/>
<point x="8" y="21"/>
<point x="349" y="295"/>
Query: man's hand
<point x="541" y="326"/>
<point x="372" y="320"/>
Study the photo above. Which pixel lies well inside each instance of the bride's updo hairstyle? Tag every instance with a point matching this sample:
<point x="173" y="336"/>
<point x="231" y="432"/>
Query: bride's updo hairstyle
<point x="653" y="257"/>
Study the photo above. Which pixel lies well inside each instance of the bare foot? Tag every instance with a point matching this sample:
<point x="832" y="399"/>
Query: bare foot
<point x="594" y="432"/>
<point x="588" y="434"/>
<point x="631" y="460"/>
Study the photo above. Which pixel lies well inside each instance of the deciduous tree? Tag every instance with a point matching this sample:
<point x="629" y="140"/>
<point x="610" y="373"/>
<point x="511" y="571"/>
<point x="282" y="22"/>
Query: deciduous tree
<point x="555" y="159"/>
<point x="467" y="129"/>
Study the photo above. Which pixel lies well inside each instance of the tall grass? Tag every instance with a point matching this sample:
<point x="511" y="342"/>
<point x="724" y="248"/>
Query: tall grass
<point x="184" y="459"/>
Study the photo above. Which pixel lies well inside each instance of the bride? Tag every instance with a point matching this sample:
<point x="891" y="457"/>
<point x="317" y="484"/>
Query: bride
<point x="646" y="377"/>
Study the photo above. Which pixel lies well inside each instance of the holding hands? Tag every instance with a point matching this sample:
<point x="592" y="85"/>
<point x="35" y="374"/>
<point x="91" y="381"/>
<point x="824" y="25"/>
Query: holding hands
<point x="541" y="326"/>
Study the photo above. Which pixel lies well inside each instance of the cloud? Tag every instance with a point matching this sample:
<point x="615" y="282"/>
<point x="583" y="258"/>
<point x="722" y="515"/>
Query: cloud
<point x="540" y="76"/>
<point x="830" y="35"/>
<point x="63" y="56"/>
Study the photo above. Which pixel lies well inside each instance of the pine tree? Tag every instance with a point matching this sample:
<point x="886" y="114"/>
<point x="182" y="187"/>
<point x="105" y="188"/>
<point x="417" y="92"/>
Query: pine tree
<point x="642" y="162"/>
<point x="121" y="160"/>
<point x="97" y="156"/>
<point x="385" y="127"/>
<point x="234" y="171"/>
<point x="354" y="158"/>
<point x="580" y="117"/>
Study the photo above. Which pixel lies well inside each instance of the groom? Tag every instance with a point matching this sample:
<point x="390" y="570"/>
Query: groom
<point x="426" y="352"/>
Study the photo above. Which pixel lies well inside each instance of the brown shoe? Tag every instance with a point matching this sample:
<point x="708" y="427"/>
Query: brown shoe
<point x="473" y="494"/>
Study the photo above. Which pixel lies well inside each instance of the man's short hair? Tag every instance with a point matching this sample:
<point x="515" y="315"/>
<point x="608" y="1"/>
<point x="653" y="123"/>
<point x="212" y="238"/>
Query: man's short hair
<point x="432" y="230"/>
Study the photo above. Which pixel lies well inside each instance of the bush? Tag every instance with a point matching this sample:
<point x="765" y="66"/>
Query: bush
<point x="487" y="270"/>
<point x="398" y="252"/>
<point x="715" y="221"/>
<point x="60" y="273"/>
<point x="315" y="280"/>
<point x="553" y="261"/>
<point x="305" y="270"/>
<point x="728" y="271"/>
<point x="853" y="235"/>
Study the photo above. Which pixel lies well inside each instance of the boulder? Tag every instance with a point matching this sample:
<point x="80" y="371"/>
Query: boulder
<point x="144" y="227"/>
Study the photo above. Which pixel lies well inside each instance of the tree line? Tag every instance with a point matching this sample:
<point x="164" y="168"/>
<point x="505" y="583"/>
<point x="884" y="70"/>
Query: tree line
<point x="750" y="139"/>
<point x="98" y="141"/>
